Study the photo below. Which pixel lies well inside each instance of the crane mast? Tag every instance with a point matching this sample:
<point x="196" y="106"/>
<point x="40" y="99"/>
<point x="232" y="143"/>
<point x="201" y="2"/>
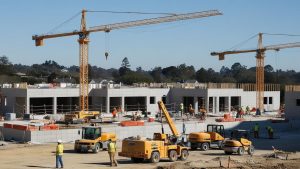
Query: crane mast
<point x="260" y="55"/>
<point x="83" y="41"/>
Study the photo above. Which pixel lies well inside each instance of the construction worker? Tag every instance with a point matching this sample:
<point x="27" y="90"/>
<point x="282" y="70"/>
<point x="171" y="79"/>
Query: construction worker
<point x="59" y="153"/>
<point x="114" y="112"/>
<point x="270" y="132"/>
<point x="256" y="130"/>
<point x="247" y="110"/>
<point x="112" y="148"/>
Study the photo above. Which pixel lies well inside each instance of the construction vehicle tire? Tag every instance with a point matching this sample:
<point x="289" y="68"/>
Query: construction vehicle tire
<point x="221" y="145"/>
<point x="241" y="151"/>
<point x="137" y="160"/>
<point x="228" y="152"/>
<point x="97" y="148"/>
<point x="251" y="150"/>
<point x="77" y="150"/>
<point x="204" y="146"/>
<point x="155" y="157"/>
<point x="173" y="155"/>
<point x="184" y="155"/>
<point x="194" y="146"/>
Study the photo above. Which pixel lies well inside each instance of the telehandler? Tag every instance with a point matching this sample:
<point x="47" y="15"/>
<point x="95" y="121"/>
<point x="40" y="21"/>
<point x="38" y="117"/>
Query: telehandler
<point x="161" y="146"/>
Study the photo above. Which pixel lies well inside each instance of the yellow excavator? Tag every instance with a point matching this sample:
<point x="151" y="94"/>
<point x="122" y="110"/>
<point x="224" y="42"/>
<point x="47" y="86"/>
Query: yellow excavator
<point x="213" y="137"/>
<point x="161" y="146"/>
<point x="238" y="143"/>
<point x="93" y="139"/>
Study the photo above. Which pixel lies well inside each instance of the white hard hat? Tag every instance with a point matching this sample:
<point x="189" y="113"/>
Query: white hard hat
<point x="59" y="141"/>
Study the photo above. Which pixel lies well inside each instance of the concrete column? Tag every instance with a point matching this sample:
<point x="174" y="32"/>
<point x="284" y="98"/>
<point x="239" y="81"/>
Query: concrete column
<point x="107" y="104"/>
<point x="229" y="104"/>
<point x="196" y="104"/>
<point x="217" y="104"/>
<point x="123" y="104"/>
<point x="27" y="105"/>
<point x="54" y="107"/>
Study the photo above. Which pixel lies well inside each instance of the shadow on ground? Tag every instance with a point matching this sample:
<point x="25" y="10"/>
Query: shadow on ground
<point x="121" y="161"/>
<point x="36" y="166"/>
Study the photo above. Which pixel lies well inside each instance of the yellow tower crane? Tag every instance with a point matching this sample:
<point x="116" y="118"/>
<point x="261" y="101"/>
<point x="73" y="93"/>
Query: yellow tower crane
<point x="83" y="40"/>
<point x="260" y="56"/>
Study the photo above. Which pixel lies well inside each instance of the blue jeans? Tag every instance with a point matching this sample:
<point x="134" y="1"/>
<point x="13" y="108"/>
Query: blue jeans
<point x="59" y="160"/>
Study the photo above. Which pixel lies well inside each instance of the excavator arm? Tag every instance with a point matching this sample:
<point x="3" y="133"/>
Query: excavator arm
<point x="172" y="126"/>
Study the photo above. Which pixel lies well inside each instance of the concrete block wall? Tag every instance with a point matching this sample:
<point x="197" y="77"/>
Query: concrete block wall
<point x="70" y="135"/>
<point x="66" y="135"/>
<point x="292" y="111"/>
<point x="16" y="135"/>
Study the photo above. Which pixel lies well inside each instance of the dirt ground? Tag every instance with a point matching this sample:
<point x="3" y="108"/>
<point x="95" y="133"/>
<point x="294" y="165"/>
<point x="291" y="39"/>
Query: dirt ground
<point x="19" y="156"/>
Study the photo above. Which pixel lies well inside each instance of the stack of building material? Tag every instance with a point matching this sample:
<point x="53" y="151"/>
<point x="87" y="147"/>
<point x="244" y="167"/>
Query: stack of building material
<point x="132" y="123"/>
<point x="227" y="118"/>
<point x="31" y="127"/>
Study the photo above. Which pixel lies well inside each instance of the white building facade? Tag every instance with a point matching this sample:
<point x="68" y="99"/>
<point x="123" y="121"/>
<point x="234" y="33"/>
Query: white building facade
<point x="216" y="98"/>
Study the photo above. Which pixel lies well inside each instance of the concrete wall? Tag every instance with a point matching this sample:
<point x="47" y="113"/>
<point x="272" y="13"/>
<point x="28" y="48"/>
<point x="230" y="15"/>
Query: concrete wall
<point x="140" y="92"/>
<point x="292" y="111"/>
<point x="67" y="135"/>
<point x="16" y="135"/>
<point x="10" y="94"/>
<point x="249" y="98"/>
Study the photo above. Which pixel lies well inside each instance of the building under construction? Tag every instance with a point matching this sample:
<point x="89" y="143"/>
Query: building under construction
<point x="216" y="98"/>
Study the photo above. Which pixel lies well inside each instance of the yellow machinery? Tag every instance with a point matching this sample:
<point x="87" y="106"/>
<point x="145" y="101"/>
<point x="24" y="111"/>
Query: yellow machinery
<point x="161" y="146"/>
<point x="260" y="56"/>
<point x="214" y="136"/>
<point x="238" y="143"/>
<point x="93" y="139"/>
<point x="81" y="116"/>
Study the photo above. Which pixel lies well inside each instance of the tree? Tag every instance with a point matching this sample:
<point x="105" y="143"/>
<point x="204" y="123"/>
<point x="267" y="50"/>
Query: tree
<point x="51" y="77"/>
<point x="125" y="67"/>
<point x="4" y="60"/>
<point x="125" y="63"/>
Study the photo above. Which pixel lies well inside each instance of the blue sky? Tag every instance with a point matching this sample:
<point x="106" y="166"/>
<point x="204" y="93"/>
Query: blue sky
<point x="188" y="42"/>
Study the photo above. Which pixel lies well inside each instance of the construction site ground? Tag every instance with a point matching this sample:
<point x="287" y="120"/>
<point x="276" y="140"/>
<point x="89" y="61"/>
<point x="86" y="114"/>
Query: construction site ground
<point x="16" y="156"/>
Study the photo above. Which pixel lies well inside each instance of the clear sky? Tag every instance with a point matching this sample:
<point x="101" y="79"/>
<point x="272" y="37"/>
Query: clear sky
<point x="188" y="42"/>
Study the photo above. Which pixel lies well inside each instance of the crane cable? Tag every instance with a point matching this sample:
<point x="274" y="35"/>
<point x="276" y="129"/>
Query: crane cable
<point x="117" y="12"/>
<point x="242" y="43"/>
<point x="63" y="23"/>
<point x="280" y="34"/>
<point x="143" y="13"/>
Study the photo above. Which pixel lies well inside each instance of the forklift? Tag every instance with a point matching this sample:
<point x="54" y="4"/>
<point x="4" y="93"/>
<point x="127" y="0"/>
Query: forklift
<point x="93" y="139"/>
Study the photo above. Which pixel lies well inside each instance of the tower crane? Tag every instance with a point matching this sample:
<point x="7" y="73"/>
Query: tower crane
<point x="260" y="56"/>
<point x="83" y="40"/>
